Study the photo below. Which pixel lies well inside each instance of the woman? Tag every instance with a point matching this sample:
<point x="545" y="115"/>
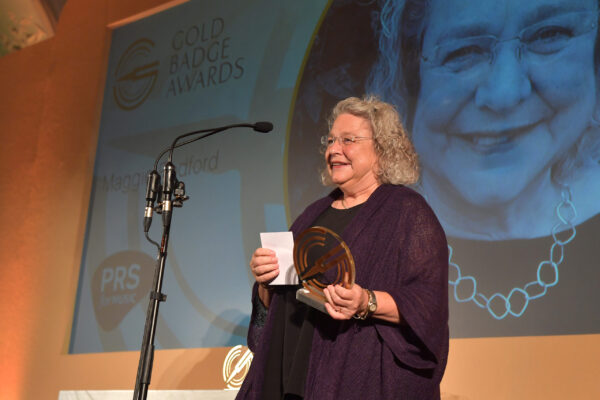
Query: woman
<point x="399" y="350"/>
<point x="501" y="97"/>
<point x="501" y="100"/>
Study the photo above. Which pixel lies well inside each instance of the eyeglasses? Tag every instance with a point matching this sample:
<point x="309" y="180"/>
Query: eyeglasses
<point x="328" y="141"/>
<point x="544" y="38"/>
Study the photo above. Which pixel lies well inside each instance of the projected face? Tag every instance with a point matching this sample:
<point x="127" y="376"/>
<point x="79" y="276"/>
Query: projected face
<point x="507" y="87"/>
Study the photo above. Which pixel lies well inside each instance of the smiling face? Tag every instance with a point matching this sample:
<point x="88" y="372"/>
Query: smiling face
<point x="495" y="112"/>
<point x="352" y="166"/>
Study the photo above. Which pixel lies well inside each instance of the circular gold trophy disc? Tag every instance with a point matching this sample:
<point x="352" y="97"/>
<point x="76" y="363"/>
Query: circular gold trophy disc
<point x="321" y="258"/>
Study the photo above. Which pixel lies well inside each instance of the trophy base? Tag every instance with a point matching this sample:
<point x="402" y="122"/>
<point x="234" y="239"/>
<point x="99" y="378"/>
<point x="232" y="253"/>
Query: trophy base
<point x="311" y="299"/>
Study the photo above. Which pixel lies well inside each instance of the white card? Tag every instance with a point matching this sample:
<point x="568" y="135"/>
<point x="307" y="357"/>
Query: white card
<point x="282" y="243"/>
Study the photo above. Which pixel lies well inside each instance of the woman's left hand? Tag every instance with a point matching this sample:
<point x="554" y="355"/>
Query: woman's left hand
<point x="344" y="303"/>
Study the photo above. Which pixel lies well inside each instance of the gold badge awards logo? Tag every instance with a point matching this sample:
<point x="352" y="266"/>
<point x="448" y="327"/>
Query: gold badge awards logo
<point x="236" y="366"/>
<point x="136" y="75"/>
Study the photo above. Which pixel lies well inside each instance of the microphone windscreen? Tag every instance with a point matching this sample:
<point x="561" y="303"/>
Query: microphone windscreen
<point x="263" y="126"/>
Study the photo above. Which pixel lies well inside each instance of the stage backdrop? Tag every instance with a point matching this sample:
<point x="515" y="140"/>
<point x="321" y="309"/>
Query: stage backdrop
<point x="198" y="65"/>
<point x="499" y="127"/>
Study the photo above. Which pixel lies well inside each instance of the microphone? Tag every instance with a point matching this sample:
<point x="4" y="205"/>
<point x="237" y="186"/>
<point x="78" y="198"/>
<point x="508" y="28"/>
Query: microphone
<point x="154" y="183"/>
<point x="260" y="126"/>
<point x="151" y="192"/>
<point x="263" y="126"/>
<point x="170" y="181"/>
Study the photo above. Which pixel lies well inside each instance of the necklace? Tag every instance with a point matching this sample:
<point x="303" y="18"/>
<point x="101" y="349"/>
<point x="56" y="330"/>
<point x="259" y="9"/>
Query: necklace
<point x="343" y="204"/>
<point x="500" y="305"/>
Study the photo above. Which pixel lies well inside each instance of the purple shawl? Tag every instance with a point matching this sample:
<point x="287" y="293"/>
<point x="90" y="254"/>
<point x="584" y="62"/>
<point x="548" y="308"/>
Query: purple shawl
<point x="398" y="247"/>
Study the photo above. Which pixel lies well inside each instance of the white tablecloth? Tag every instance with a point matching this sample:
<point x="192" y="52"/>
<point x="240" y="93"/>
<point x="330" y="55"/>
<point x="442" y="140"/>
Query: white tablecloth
<point x="152" y="394"/>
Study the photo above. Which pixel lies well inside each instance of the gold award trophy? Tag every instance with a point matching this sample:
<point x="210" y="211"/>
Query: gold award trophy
<point x="321" y="258"/>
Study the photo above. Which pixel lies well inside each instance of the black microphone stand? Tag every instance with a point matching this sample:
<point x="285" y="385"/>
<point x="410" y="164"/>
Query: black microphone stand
<point x="156" y="296"/>
<point x="170" y="187"/>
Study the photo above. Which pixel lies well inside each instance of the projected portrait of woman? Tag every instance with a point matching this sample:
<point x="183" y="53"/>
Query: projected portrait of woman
<point x="501" y="98"/>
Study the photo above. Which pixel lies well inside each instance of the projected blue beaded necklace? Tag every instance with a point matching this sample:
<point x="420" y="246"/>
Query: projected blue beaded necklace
<point x="566" y="213"/>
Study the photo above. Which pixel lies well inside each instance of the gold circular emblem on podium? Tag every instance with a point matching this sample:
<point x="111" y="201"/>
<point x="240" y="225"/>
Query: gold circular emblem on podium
<point x="321" y="258"/>
<point x="236" y="366"/>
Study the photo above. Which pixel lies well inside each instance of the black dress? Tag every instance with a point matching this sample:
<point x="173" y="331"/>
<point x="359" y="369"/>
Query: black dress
<point x="289" y="351"/>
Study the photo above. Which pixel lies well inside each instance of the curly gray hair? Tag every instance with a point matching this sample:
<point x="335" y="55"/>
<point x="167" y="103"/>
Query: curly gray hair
<point x="396" y="157"/>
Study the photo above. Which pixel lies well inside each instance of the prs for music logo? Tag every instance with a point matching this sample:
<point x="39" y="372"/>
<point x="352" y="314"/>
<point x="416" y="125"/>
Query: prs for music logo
<point x="119" y="283"/>
<point x="135" y="75"/>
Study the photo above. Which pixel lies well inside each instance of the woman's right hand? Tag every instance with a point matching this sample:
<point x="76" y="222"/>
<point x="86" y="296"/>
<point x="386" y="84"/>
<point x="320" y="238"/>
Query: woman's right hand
<point x="265" y="268"/>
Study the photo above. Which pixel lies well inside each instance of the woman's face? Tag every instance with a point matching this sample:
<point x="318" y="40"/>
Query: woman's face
<point x="351" y="166"/>
<point x="494" y="112"/>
